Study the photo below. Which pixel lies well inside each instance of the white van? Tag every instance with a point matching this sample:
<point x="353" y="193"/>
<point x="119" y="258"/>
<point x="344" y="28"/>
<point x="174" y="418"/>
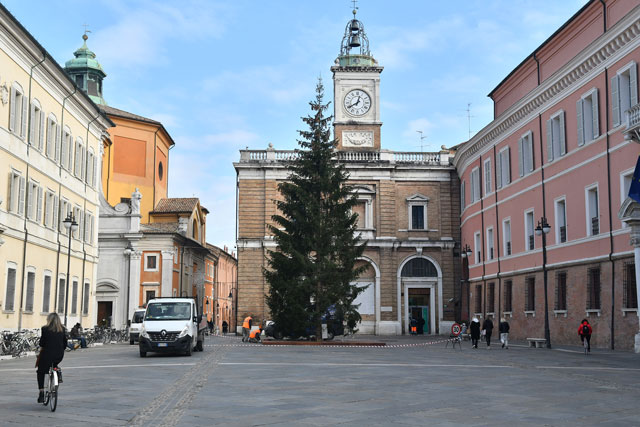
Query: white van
<point x="172" y="325"/>
<point x="136" y="325"/>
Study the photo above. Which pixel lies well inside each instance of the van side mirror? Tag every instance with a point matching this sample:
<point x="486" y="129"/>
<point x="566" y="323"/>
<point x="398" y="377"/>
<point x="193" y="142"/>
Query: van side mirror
<point x="195" y="319"/>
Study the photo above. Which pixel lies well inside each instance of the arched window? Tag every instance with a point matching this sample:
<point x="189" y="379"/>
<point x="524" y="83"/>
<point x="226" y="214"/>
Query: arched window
<point x="194" y="230"/>
<point x="18" y="111"/>
<point x="419" y="267"/>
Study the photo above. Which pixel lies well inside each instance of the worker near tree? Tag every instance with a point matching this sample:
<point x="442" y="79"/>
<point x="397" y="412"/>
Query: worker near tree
<point x="246" y="328"/>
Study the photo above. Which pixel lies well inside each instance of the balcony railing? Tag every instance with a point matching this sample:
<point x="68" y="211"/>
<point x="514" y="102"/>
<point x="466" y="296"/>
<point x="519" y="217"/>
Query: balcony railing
<point x="595" y="225"/>
<point x="633" y="123"/>
<point x="271" y="155"/>
<point x="531" y="242"/>
<point x="563" y="233"/>
<point x="508" y="248"/>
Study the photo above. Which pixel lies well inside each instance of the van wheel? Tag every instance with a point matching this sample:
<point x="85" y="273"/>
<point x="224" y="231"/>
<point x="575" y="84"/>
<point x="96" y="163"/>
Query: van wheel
<point x="143" y="353"/>
<point x="199" y="346"/>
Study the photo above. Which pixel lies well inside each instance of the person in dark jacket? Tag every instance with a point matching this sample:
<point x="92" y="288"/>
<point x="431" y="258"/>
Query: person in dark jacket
<point x="53" y="341"/>
<point x="504" y="333"/>
<point x="585" y="331"/>
<point x="487" y="325"/>
<point x="474" y="332"/>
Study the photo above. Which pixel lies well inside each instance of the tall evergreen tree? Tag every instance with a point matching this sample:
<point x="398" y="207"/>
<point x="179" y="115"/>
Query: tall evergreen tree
<point x="314" y="264"/>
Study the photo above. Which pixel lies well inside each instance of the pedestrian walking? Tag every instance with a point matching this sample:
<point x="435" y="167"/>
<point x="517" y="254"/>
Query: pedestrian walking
<point x="487" y="326"/>
<point x="475" y="332"/>
<point x="585" y="332"/>
<point x="246" y="328"/>
<point x="504" y="333"/>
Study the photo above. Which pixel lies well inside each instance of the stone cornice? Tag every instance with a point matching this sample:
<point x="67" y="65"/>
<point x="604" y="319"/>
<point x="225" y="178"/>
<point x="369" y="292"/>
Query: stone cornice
<point x="569" y="76"/>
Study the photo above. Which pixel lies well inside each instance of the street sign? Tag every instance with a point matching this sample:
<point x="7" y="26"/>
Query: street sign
<point x="456" y="329"/>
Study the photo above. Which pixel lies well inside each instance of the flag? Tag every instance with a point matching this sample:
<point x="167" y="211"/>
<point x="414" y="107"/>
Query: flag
<point x="634" y="188"/>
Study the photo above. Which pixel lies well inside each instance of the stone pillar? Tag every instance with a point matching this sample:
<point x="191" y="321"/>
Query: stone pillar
<point x="630" y="213"/>
<point x="167" y="274"/>
<point x="134" y="282"/>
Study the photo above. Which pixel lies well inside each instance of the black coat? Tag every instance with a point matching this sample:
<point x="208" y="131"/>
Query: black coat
<point x="487" y="325"/>
<point x="504" y="327"/>
<point x="475" y="330"/>
<point x="52" y="348"/>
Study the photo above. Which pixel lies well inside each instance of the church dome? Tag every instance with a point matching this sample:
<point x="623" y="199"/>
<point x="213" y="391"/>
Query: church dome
<point x="87" y="72"/>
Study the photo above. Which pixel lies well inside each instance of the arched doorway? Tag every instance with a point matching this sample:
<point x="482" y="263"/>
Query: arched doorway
<point x="369" y="299"/>
<point x="420" y="295"/>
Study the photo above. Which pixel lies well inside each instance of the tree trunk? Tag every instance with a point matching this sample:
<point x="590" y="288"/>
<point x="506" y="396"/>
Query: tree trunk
<point x="318" y="314"/>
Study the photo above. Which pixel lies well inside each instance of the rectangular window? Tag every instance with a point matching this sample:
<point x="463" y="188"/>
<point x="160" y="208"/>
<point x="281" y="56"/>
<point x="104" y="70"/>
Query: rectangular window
<point x="561" y="290"/>
<point x="529" y="231"/>
<point x="31" y="285"/>
<point x="65" y="150"/>
<point x="478" y="299"/>
<point x="475" y="184"/>
<point x="35" y="127"/>
<point x="556" y="140"/>
<point x="525" y="154"/>
<point x="151" y="263"/>
<point x="478" y="247"/>
<point x="61" y="291"/>
<point x="77" y="214"/>
<point x="593" y="216"/>
<point x="490" y="246"/>
<point x="487" y="176"/>
<point x="418" y="217"/>
<point x="629" y="288"/>
<point x="462" y="197"/>
<point x="508" y="295"/>
<point x="530" y="294"/>
<point x="11" y="289"/>
<point x="491" y="294"/>
<point x="46" y="294"/>
<point x="593" y="288"/>
<point x="624" y="93"/>
<point x="85" y="299"/>
<point x="503" y="168"/>
<point x="18" y="111"/>
<point x="149" y="295"/>
<point x="561" y="221"/>
<point x="506" y="235"/>
<point x="17" y="190"/>
<point x="587" y="117"/>
<point x="65" y="211"/>
<point x="74" y="297"/>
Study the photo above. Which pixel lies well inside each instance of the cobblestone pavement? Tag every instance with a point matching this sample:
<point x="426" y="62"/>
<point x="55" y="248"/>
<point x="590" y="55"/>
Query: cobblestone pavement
<point x="409" y="383"/>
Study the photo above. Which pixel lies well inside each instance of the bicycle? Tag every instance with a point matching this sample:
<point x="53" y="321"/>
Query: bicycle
<point x="51" y="388"/>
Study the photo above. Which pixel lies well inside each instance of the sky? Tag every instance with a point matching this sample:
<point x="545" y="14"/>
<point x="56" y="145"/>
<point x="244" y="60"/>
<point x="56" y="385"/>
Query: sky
<point x="225" y="75"/>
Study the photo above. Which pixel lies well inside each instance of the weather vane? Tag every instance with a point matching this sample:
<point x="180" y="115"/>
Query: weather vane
<point x="355" y="7"/>
<point x="84" y="36"/>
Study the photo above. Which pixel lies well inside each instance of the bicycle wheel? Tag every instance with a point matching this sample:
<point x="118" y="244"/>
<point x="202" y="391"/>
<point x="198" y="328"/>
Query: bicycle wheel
<point x="53" y="392"/>
<point x="47" y="386"/>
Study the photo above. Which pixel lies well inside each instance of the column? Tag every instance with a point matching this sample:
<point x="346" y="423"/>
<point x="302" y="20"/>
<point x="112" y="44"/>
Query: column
<point x="167" y="274"/>
<point x="134" y="282"/>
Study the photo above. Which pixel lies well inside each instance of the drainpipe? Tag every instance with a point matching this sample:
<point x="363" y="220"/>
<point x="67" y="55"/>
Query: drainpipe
<point x="613" y="270"/>
<point x="26" y="193"/>
<point x="155" y="149"/>
<point x="547" y="329"/>
<point x="604" y="15"/>
<point x="535" y="58"/>
<point x="482" y="231"/>
<point x="495" y="193"/>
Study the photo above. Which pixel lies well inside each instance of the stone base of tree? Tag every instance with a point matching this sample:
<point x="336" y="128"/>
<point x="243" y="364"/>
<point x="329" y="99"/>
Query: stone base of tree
<point x="331" y="343"/>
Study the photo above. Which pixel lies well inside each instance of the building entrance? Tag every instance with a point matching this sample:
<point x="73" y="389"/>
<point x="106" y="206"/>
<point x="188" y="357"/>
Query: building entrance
<point x="419" y="309"/>
<point x="105" y="313"/>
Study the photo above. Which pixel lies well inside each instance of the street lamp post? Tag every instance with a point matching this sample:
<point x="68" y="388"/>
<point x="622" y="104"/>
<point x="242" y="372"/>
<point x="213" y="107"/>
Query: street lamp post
<point x="466" y="254"/>
<point x="128" y="251"/>
<point x="541" y="230"/>
<point x="71" y="226"/>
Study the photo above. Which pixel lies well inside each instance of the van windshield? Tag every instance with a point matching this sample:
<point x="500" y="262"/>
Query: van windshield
<point x="137" y="317"/>
<point x="169" y="311"/>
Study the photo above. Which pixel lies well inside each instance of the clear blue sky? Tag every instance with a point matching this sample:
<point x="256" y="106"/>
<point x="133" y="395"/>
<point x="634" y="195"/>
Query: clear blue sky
<point x="223" y="75"/>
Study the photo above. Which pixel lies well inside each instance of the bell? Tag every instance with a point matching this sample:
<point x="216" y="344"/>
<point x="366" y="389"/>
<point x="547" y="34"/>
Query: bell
<point x="355" y="26"/>
<point x="354" y="41"/>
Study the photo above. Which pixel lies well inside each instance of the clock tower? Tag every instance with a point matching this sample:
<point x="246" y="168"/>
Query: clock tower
<point x="356" y="92"/>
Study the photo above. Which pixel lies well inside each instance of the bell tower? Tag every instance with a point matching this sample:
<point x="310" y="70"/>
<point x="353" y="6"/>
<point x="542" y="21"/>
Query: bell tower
<point x="356" y="92"/>
<point x="87" y="72"/>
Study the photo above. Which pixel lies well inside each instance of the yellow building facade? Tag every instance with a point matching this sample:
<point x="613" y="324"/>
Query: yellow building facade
<point x="51" y="139"/>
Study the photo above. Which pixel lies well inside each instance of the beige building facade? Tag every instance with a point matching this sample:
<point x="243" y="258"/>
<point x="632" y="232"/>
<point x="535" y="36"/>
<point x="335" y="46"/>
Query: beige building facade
<point x="51" y="139"/>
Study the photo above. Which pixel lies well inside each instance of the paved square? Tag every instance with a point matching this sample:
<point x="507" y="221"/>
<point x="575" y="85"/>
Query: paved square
<point x="408" y="383"/>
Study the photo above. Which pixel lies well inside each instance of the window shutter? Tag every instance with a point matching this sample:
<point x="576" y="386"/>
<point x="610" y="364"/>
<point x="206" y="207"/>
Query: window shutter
<point x="633" y="84"/>
<point x="462" y="197"/>
<point x="32" y="126"/>
<point x="30" y="201"/>
<point x="526" y="296"/>
<point x="86" y="227"/>
<point x="11" y="193"/>
<point x="39" y="209"/>
<point x="54" y="222"/>
<point x="594" y="105"/>
<point x="21" y="200"/>
<point x="25" y="113"/>
<point x="528" y="145"/>
<point x="57" y="147"/>
<point x="550" y="140"/>
<point x="499" y="171"/>
<point x="83" y="165"/>
<point x="521" y="156"/>
<point x="487" y="177"/>
<point x="580" y="124"/>
<point x="49" y="136"/>
<point x="507" y="170"/>
<point x="42" y="129"/>
<point x="48" y="209"/>
<point x="563" y="140"/>
<point x="12" y="110"/>
<point x="615" y="99"/>
<point x="63" y="150"/>
<point x="95" y="172"/>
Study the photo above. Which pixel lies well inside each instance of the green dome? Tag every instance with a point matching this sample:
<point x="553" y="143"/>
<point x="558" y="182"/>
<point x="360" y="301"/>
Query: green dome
<point x="84" y="59"/>
<point x="86" y="72"/>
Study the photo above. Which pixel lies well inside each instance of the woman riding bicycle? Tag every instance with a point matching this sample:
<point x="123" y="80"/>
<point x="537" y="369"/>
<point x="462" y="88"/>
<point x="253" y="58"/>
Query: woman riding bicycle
<point x="53" y="341"/>
<point x="585" y="331"/>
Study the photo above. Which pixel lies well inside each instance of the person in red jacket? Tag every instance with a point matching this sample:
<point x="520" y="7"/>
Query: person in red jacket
<point x="585" y="331"/>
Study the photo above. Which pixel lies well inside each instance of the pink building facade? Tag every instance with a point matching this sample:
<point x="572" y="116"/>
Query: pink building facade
<point x="558" y="150"/>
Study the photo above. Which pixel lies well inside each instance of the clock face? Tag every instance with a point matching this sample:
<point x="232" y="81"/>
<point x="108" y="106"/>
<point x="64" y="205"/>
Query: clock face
<point x="357" y="102"/>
